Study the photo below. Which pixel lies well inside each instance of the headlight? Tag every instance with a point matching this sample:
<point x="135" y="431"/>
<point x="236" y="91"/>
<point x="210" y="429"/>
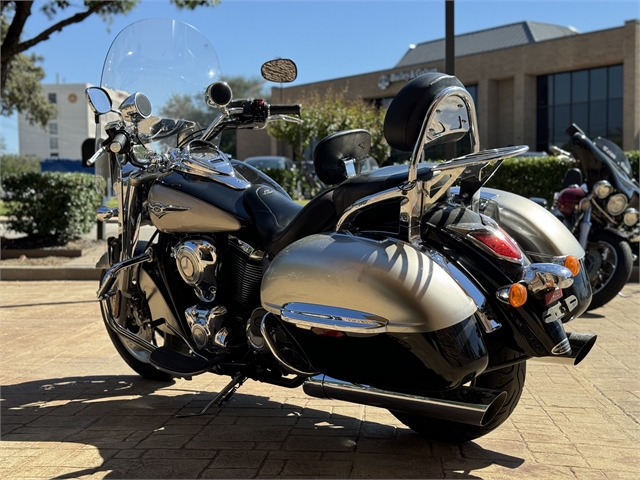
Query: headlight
<point x="616" y="204"/>
<point x="602" y="189"/>
<point x="631" y="217"/>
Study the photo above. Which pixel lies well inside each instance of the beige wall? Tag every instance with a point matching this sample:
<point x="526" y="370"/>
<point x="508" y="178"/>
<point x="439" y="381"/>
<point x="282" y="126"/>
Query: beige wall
<point x="506" y="82"/>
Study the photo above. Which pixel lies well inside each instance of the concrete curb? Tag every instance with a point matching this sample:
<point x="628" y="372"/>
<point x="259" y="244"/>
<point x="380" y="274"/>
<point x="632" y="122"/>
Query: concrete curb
<point x="49" y="273"/>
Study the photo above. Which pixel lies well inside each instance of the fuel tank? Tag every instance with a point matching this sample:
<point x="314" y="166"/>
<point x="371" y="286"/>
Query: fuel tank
<point x="362" y="285"/>
<point x="172" y="211"/>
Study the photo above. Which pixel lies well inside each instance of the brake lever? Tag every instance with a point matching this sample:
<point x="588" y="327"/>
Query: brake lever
<point x="285" y="118"/>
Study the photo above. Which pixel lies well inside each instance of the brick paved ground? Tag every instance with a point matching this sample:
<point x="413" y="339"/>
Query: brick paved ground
<point x="72" y="409"/>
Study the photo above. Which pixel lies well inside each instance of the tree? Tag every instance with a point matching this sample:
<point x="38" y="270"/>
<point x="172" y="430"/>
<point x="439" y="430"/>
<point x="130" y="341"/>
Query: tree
<point x="330" y="113"/>
<point x="19" y="72"/>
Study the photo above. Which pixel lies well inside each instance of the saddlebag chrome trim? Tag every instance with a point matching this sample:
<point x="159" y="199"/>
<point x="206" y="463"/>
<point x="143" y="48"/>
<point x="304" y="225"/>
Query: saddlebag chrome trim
<point x="307" y="315"/>
<point x="470" y="405"/>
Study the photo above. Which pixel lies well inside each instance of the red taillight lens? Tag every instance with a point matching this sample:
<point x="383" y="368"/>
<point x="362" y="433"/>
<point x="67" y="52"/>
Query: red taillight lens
<point x="499" y="242"/>
<point x="568" y="199"/>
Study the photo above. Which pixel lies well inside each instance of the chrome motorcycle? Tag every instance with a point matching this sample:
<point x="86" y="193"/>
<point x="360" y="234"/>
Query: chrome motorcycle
<point x="390" y="288"/>
<point x="599" y="204"/>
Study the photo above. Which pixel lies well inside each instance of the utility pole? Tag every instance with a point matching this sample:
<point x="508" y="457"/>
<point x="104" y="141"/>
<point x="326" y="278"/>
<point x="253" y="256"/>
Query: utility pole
<point x="449" y="59"/>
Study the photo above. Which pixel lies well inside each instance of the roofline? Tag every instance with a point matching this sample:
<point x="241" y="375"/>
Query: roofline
<point x="496" y="28"/>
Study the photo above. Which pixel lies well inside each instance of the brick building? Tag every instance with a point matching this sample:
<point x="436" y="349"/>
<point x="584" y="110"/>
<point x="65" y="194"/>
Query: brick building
<point x="530" y="81"/>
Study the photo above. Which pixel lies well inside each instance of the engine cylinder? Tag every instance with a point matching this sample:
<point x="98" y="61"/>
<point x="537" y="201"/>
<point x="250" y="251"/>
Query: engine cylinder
<point x="197" y="264"/>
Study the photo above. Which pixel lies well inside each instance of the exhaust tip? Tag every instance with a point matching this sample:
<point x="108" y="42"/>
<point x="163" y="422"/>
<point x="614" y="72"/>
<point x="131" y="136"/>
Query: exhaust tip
<point x="582" y="343"/>
<point x="493" y="408"/>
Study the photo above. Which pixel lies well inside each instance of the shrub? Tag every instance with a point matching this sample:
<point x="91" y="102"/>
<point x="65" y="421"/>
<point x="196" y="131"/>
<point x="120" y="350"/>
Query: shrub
<point x="11" y="164"/>
<point x="58" y="206"/>
<point x="539" y="176"/>
<point x="530" y="176"/>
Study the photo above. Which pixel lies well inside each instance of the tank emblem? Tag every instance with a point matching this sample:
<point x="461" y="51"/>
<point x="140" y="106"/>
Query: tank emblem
<point x="160" y="210"/>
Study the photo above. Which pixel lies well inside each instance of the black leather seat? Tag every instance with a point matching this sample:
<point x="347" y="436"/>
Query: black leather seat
<point x="280" y="221"/>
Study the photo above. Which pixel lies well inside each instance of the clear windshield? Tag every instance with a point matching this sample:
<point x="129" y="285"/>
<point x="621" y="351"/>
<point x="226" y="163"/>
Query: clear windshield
<point x="164" y="59"/>
<point x="170" y="62"/>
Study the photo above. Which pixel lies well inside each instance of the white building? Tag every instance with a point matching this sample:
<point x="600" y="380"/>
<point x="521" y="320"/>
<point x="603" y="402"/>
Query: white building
<point x="64" y="135"/>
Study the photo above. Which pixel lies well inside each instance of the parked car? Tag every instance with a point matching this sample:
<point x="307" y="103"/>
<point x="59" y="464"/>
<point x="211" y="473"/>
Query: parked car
<point x="270" y="161"/>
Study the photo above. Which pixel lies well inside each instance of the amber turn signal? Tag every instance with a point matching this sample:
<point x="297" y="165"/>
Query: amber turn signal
<point x="573" y="264"/>
<point x="517" y="295"/>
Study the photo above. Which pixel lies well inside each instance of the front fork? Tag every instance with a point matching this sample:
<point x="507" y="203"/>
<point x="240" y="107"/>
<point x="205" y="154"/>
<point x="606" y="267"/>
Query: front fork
<point x="585" y="228"/>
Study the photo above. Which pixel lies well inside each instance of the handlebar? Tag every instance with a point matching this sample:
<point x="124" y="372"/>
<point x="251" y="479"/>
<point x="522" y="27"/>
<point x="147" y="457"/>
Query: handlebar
<point x="285" y="109"/>
<point x="119" y="143"/>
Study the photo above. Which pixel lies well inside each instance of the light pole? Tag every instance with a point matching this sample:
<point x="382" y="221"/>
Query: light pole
<point x="449" y="59"/>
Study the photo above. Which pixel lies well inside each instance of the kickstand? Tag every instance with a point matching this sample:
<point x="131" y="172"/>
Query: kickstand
<point x="222" y="397"/>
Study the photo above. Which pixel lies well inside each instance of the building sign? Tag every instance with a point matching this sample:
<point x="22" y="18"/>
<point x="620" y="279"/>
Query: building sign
<point x="384" y="81"/>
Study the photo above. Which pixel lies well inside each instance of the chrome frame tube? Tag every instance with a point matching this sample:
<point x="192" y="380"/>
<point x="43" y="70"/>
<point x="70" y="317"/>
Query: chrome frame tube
<point x="110" y="276"/>
<point x="109" y="319"/>
<point x="470" y="405"/>
<point x="274" y="351"/>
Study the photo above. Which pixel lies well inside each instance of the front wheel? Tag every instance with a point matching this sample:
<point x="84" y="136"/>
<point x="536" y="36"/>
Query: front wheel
<point x="609" y="262"/>
<point x="134" y="317"/>
<point x="509" y="379"/>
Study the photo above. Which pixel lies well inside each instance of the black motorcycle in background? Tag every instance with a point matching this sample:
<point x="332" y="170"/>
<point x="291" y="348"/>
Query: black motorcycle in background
<point x="599" y="204"/>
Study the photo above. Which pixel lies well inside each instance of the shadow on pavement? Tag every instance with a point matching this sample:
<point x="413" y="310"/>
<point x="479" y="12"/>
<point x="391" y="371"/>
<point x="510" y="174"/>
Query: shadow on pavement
<point x="132" y="423"/>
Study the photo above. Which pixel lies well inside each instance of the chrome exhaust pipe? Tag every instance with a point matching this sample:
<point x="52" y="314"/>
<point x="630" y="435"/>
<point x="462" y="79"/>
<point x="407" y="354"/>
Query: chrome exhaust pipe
<point x="580" y="345"/>
<point x="475" y="406"/>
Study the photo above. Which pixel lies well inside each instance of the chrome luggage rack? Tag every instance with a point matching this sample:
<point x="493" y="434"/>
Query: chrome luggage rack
<point x="451" y="112"/>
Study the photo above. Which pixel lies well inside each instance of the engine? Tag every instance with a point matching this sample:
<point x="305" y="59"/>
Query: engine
<point x="232" y="275"/>
<point x="197" y="264"/>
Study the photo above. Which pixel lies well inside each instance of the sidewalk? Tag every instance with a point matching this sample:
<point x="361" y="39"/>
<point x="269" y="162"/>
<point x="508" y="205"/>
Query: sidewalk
<point x="71" y="408"/>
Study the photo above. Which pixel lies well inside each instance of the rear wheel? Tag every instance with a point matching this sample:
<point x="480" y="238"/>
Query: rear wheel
<point x="509" y="379"/>
<point x="609" y="262"/>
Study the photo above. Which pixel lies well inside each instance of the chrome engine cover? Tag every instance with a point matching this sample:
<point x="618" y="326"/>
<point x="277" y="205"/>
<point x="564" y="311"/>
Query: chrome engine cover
<point x="205" y="324"/>
<point x="197" y="264"/>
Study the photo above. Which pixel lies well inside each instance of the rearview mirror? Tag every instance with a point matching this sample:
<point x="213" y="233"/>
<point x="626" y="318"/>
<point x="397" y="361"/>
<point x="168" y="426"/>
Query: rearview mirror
<point x="98" y="99"/>
<point x="280" y="70"/>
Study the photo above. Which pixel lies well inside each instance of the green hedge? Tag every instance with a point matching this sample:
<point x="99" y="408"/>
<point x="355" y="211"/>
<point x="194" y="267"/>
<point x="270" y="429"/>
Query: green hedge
<point x="526" y="176"/>
<point x="14" y="164"/>
<point x="539" y="176"/>
<point x="52" y="205"/>
<point x="294" y="182"/>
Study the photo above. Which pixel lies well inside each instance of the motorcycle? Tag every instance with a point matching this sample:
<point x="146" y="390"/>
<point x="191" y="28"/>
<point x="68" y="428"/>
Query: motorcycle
<point x="598" y="203"/>
<point x="389" y="288"/>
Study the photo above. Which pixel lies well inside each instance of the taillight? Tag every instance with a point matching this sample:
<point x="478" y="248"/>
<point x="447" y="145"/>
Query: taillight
<point x="568" y="199"/>
<point x="499" y="242"/>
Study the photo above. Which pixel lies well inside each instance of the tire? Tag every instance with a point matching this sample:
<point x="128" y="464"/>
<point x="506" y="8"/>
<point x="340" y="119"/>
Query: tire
<point x="609" y="262"/>
<point x="509" y="379"/>
<point x="137" y="359"/>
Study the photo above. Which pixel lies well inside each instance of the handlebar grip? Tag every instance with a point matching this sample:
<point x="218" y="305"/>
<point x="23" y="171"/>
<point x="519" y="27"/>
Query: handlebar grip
<point x="119" y="143"/>
<point x="285" y="109"/>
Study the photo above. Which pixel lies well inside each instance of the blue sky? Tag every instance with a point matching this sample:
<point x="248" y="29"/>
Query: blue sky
<point x="327" y="39"/>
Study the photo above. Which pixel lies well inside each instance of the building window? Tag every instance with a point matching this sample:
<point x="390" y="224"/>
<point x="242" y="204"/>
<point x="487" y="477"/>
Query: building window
<point x="53" y="128"/>
<point x="53" y="143"/>
<point x="53" y="155"/>
<point x="53" y="98"/>
<point x="592" y="99"/>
